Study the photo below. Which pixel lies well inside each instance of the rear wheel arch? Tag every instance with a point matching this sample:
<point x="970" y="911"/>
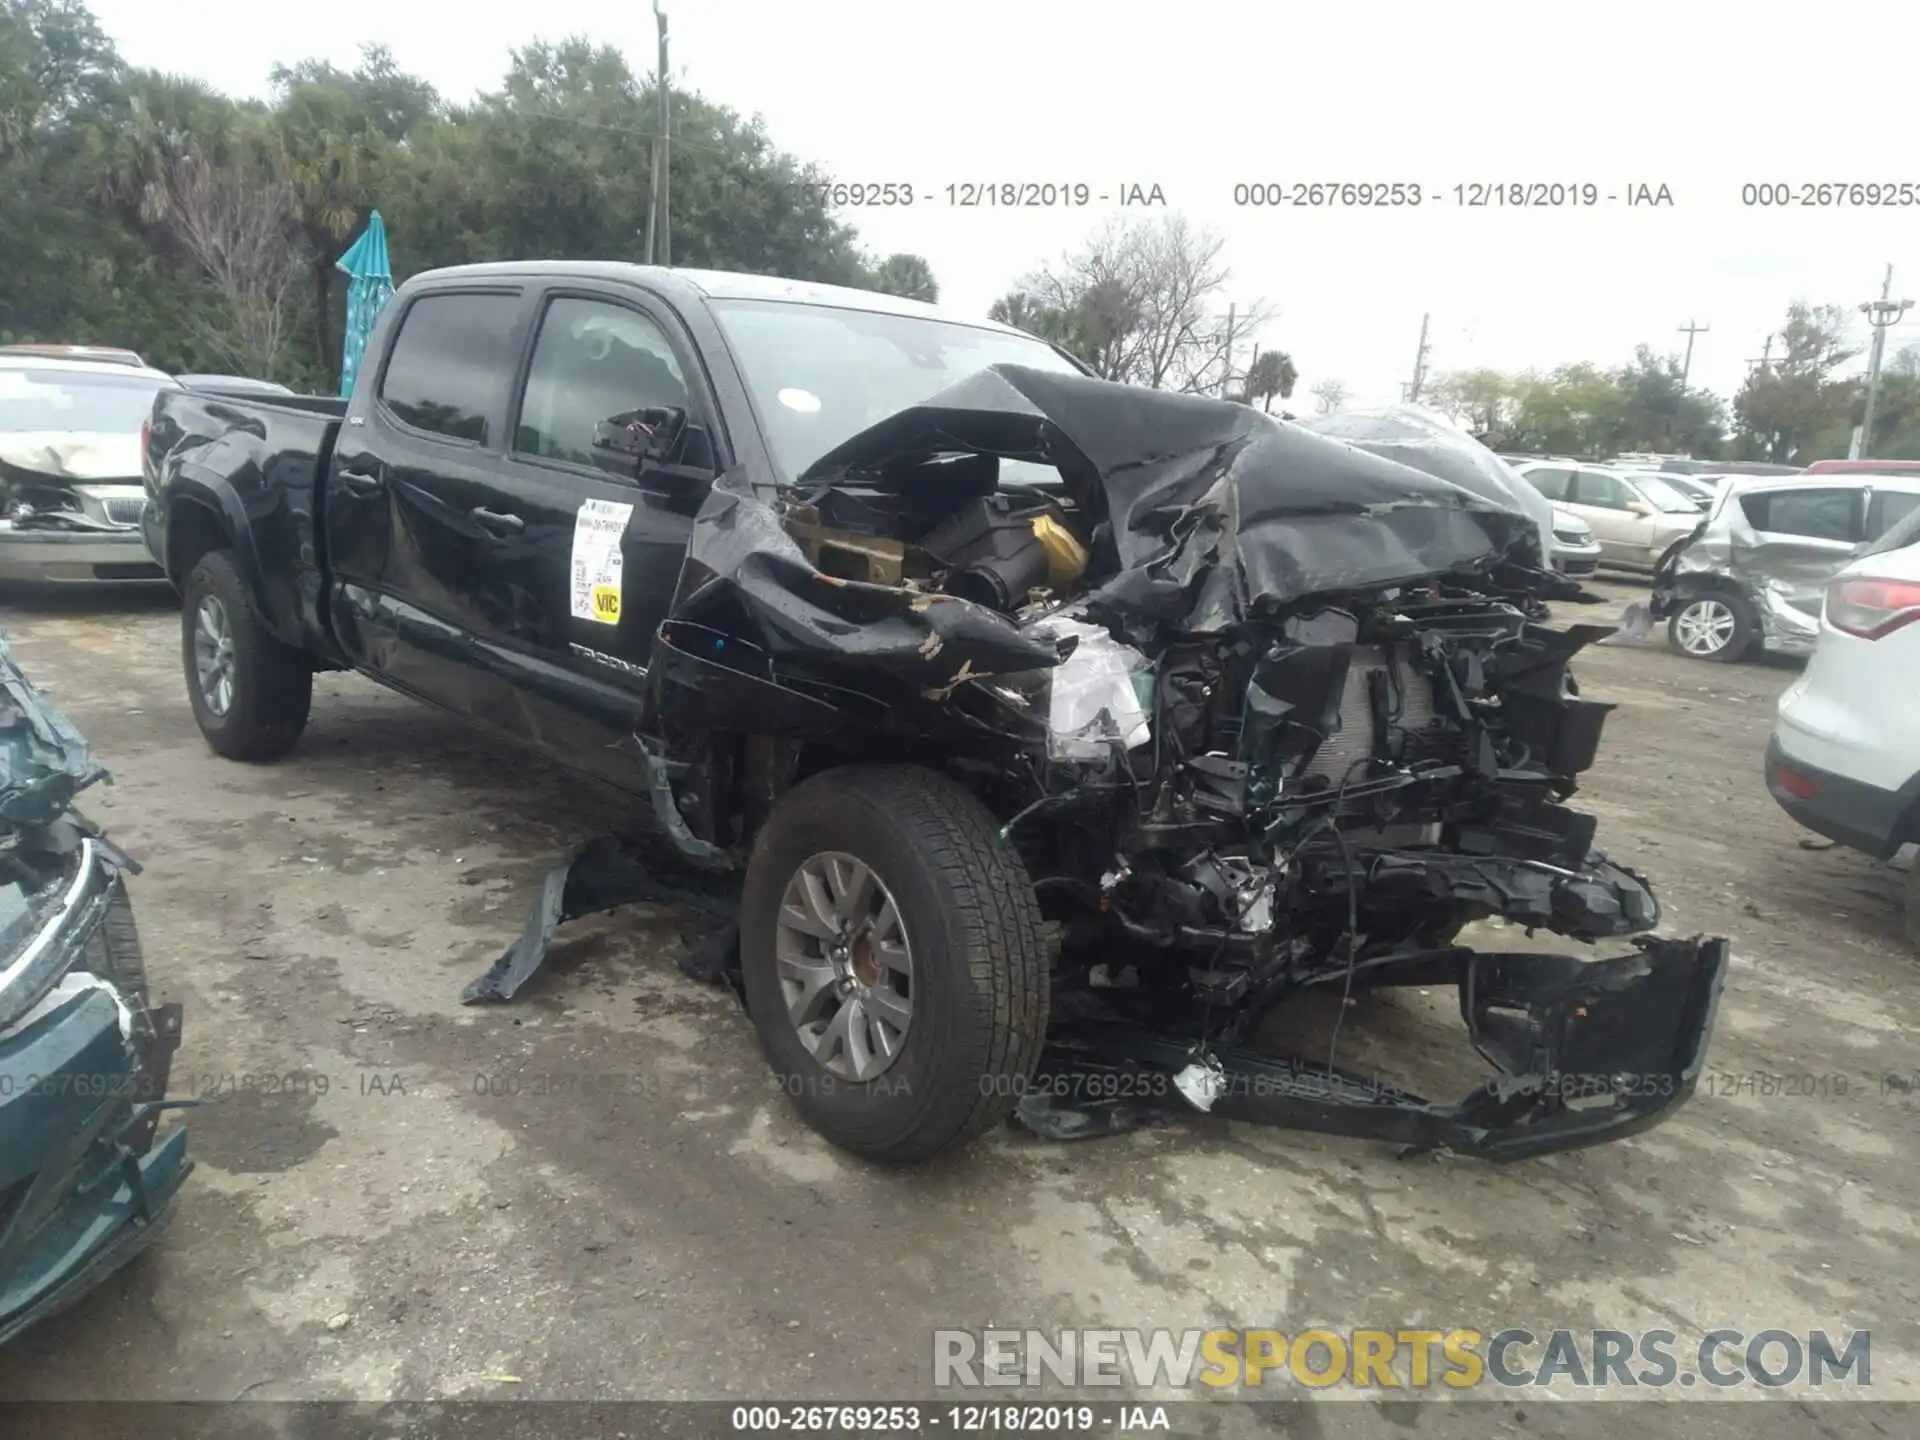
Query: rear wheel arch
<point x="195" y="528"/>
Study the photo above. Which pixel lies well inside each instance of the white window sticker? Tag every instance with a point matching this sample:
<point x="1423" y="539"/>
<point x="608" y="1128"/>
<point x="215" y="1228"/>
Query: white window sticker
<point x="805" y="401"/>
<point x="596" y="560"/>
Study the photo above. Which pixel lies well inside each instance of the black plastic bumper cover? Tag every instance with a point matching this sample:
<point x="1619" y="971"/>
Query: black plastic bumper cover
<point x="1585" y="1052"/>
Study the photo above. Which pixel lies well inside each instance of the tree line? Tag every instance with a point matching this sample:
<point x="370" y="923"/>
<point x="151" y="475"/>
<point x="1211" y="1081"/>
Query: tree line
<point x="150" y="210"/>
<point x="1794" y="406"/>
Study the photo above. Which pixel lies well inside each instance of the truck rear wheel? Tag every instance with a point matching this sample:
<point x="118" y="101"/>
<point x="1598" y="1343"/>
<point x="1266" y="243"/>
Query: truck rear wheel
<point x="250" y="693"/>
<point x="893" y="960"/>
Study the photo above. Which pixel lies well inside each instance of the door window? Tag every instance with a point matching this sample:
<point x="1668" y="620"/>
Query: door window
<point x="1608" y="492"/>
<point x="1887" y="508"/>
<point x="1824" y="514"/>
<point x="593" y="360"/>
<point x="1549" y="480"/>
<point x="445" y="369"/>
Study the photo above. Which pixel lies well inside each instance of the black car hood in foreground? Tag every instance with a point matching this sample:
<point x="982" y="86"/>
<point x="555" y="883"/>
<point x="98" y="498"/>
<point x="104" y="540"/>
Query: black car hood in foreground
<point x="1208" y="511"/>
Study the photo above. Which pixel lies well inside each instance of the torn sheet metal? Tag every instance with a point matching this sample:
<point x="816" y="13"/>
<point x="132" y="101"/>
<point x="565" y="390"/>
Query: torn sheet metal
<point x="57" y="457"/>
<point x="602" y="875"/>
<point x="1426" y="440"/>
<point x="1785" y="577"/>
<point x="84" y="1058"/>
<point x="1200" y="510"/>
<point x="1584" y="1052"/>
<point x="44" y="759"/>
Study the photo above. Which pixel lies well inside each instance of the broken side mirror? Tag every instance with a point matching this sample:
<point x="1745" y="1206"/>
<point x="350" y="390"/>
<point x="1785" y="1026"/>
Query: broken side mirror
<point x="656" y="447"/>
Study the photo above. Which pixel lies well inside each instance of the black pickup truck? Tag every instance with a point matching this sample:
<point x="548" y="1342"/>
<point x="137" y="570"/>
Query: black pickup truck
<point x="1045" y="732"/>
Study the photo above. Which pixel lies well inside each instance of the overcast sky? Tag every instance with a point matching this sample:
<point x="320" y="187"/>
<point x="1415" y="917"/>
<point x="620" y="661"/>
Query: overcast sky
<point x="1200" y="96"/>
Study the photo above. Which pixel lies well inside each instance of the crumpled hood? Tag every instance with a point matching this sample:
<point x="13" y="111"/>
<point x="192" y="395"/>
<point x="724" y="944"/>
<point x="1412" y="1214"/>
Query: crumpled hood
<point x="1426" y="440"/>
<point x="80" y="458"/>
<point x="1211" y="505"/>
<point x="1203" y="512"/>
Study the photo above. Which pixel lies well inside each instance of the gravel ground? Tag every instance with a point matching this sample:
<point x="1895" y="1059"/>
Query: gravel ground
<point x="665" y="1228"/>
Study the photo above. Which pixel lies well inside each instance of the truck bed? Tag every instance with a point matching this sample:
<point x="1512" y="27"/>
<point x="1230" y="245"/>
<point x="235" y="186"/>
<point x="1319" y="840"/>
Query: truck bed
<point x="257" y="463"/>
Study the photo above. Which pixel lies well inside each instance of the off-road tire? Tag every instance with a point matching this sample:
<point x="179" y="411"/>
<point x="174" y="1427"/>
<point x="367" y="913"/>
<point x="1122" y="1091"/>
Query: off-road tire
<point x="273" y="682"/>
<point x="980" y="960"/>
<point x="1746" y="628"/>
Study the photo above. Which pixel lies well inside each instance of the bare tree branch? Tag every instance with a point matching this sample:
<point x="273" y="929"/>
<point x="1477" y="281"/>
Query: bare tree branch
<point x="1138" y="304"/>
<point x="238" y="223"/>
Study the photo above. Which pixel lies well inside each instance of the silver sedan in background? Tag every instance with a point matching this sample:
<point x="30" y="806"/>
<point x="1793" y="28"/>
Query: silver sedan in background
<point x="70" y="491"/>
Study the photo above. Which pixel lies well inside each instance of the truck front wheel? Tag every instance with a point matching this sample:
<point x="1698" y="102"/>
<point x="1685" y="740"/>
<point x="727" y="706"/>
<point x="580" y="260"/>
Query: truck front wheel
<point x="250" y="693"/>
<point x="894" y="960"/>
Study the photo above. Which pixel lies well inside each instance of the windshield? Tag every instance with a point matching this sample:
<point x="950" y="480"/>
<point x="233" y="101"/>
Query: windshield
<point x="1665" y="497"/>
<point x="821" y="374"/>
<point x="75" y="401"/>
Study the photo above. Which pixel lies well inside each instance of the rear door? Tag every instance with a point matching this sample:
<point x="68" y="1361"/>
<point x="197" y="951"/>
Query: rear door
<point x="1806" y="536"/>
<point x="416" y="460"/>
<point x="1605" y="502"/>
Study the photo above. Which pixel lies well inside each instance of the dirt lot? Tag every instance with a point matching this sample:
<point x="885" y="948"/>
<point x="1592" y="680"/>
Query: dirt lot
<point x="665" y="1228"/>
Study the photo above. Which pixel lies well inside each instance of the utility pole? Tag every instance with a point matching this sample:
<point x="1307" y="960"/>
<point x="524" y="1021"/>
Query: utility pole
<point x="1226" y="375"/>
<point x="1419" y="363"/>
<point x="657" y="213"/>
<point x="1689" y="330"/>
<point x="1766" y="355"/>
<point x="1880" y="314"/>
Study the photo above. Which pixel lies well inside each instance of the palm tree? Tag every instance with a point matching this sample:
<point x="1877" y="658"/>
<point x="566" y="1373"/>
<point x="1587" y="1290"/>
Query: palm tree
<point x="908" y="276"/>
<point x="1271" y="374"/>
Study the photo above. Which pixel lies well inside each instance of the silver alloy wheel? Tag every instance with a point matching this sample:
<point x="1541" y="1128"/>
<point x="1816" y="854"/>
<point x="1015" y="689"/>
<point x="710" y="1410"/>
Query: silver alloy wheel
<point x="1705" y="627"/>
<point x="845" y="965"/>
<point x="213" y="655"/>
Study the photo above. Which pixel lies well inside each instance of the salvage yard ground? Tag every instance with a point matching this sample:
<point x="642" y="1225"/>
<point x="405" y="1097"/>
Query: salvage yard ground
<point x="597" y="1192"/>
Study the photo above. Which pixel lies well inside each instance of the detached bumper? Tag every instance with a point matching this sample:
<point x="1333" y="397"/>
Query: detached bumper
<point x="1584" y="1052"/>
<point x="62" y="557"/>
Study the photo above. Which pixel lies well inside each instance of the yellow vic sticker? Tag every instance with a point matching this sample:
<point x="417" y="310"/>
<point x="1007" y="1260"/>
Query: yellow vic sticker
<point x="606" y="604"/>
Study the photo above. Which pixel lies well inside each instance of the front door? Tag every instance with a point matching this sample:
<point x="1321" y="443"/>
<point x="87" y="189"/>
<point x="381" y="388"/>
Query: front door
<point x="1608" y="504"/>
<point x="581" y="564"/>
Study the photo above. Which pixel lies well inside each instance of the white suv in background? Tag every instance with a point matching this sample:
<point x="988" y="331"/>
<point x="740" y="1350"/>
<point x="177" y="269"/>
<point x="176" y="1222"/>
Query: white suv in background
<point x="1844" y="759"/>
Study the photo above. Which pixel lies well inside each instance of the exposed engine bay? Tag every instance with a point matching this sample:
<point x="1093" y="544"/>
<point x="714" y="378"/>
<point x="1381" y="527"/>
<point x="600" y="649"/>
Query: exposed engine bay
<point x="1259" y="711"/>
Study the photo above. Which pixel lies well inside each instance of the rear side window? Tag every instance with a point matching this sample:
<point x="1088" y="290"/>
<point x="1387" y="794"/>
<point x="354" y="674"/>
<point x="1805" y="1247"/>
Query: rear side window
<point x="1607" y="492"/>
<point x="1888" y="508"/>
<point x="450" y="362"/>
<point x="1899" y="536"/>
<point x="1825" y="514"/>
<point x="1549" y="481"/>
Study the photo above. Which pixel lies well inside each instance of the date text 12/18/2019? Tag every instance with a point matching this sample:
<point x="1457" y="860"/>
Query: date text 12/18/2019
<point x="983" y="194"/>
<point x="1471" y="195"/>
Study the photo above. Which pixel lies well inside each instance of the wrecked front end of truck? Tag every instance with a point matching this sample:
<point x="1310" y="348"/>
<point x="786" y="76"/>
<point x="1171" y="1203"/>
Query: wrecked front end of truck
<point x="1261" y="713"/>
<point x="86" y="1182"/>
